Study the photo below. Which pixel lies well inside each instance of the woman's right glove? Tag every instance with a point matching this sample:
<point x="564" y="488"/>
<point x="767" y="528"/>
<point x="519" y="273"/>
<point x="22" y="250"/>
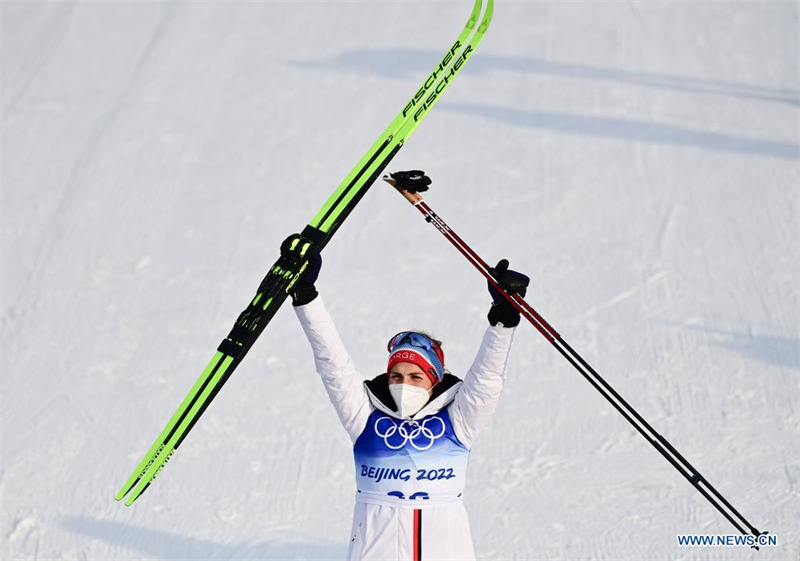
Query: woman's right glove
<point x="502" y="311"/>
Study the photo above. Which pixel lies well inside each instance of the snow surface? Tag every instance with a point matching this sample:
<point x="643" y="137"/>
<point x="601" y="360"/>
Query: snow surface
<point x="638" y="159"/>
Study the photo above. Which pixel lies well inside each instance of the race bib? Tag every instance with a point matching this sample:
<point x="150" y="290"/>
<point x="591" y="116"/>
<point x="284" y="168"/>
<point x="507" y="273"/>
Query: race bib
<point x="410" y="460"/>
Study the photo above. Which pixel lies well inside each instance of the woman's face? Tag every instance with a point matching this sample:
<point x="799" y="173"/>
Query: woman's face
<point x="409" y="373"/>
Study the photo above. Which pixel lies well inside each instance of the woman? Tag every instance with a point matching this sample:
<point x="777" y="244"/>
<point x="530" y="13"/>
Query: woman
<point x="412" y="428"/>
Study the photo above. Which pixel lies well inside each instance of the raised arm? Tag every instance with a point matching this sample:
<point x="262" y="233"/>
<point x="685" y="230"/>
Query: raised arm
<point x="342" y="380"/>
<point x="475" y="403"/>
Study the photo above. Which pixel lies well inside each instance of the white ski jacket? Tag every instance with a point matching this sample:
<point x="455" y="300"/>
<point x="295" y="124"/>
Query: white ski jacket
<point x="410" y="473"/>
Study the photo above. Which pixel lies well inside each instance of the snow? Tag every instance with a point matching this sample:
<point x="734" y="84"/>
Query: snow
<point x="639" y="160"/>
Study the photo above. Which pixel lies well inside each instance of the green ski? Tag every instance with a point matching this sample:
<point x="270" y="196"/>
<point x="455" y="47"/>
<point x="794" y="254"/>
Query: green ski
<point x="275" y="287"/>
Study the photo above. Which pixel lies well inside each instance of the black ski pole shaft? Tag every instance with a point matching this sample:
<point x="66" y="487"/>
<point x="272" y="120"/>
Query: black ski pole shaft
<point x="664" y="447"/>
<point x="612" y="396"/>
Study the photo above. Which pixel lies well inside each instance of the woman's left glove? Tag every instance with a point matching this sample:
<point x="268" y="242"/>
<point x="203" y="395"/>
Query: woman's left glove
<point x="502" y="311"/>
<point x="303" y="290"/>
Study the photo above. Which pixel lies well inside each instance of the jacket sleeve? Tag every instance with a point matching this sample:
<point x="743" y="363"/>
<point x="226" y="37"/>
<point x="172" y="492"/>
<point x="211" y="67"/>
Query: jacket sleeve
<point x="476" y="401"/>
<point x="342" y="381"/>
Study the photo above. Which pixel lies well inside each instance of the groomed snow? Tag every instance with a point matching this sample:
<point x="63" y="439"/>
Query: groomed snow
<point x="639" y="160"/>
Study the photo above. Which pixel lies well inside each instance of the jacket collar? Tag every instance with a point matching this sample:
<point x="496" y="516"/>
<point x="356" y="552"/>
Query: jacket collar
<point x="381" y="399"/>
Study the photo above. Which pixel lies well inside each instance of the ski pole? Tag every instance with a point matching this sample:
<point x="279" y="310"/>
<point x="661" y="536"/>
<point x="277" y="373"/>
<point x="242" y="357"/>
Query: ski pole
<point x="625" y="409"/>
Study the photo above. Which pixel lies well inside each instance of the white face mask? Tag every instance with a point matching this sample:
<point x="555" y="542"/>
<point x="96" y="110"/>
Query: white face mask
<point x="409" y="399"/>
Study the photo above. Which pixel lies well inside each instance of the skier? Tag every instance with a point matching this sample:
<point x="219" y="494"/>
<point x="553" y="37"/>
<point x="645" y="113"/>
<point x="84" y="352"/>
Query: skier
<point x="412" y="427"/>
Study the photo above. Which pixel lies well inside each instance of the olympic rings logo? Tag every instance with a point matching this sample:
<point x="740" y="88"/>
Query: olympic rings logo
<point x="420" y="435"/>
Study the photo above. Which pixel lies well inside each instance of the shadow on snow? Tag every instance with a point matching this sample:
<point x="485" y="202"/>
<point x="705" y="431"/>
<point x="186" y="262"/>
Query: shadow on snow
<point x="625" y="129"/>
<point x="408" y="64"/>
<point x="165" y="545"/>
<point x="414" y="63"/>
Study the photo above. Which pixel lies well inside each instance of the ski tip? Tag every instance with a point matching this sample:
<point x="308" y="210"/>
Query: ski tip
<point x="127" y="490"/>
<point x="129" y="501"/>
<point x="388" y="179"/>
<point x="138" y="491"/>
<point x="122" y="492"/>
<point x="130" y="484"/>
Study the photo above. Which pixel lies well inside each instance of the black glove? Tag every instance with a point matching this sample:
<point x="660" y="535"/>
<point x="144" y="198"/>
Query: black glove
<point x="512" y="282"/>
<point x="415" y="180"/>
<point x="303" y="291"/>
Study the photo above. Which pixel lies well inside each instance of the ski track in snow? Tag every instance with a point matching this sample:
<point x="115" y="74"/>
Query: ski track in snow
<point x="639" y="160"/>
